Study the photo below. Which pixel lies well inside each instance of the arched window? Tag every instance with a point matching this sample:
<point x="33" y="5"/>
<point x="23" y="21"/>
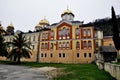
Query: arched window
<point x="64" y="31"/>
<point x="64" y="44"/>
<point x="51" y="46"/>
<point x="77" y="45"/>
<point x="77" y="31"/>
<point x="46" y="46"/>
<point x="60" y="45"/>
<point x="29" y="38"/>
<point x="68" y="32"/>
<point x="85" y="55"/>
<point x="78" y="55"/>
<point x="46" y="36"/>
<point x="89" y="32"/>
<point x="52" y="33"/>
<point x="84" y="32"/>
<point x="43" y="35"/>
<point x="42" y="46"/>
<point x="68" y="45"/>
<point x="85" y="44"/>
<point x="60" y="32"/>
<point x="89" y="44"/>
<point x="34" y="38"/>
<point x="90" y="55"/>
<point x="41" y="54"/>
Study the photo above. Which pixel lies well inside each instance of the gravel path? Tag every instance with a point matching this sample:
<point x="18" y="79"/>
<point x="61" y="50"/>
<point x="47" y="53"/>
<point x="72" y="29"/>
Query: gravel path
<point x="12" y="72"/>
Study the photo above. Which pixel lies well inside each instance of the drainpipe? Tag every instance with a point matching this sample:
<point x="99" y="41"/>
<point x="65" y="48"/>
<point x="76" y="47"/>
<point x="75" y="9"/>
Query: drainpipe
<point x="38" y="48"/>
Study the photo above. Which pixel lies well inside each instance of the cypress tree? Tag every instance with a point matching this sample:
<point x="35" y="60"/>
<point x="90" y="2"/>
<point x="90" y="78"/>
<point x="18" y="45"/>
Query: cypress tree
<point x="115" y="30"/>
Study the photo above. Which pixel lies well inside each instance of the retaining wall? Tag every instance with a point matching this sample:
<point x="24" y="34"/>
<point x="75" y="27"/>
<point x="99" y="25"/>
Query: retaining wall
<point x="113" y="69"/>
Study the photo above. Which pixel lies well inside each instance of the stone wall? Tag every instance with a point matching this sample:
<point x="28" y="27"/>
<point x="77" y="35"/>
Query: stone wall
<point x="113" y="69"/>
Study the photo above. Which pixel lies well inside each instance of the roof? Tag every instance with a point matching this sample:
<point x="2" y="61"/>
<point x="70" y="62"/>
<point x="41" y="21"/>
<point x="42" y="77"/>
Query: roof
<point x="38" y="26"/>
<point x="107" y="49"/>
<point x="86" y="25"/>
<point x="44" y="21"/>
<point x="107" y="36"/>
<point x="11" y="25"/>
<point x="77" y="21"/>
<point x="67" y="11"/>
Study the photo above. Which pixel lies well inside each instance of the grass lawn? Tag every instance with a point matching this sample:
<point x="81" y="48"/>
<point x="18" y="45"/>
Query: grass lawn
<point x="73" y="71"/>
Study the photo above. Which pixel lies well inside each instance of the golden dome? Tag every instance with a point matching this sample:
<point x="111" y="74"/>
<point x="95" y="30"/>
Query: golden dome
<point x="67" y="11"/>
<point x="38" y="26"/>
<point x="44" y="21"/>
<point x="2" y="28"/>
<point x="11" y="25"/>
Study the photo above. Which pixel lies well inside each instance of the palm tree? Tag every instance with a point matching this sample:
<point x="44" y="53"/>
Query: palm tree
<point x="21" y="48"/>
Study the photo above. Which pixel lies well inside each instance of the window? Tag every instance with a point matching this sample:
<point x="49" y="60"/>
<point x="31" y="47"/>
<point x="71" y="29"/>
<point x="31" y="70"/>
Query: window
<point x="96" y="35"/>
<point x="51" y="46"/>
<point x="89" y="32"/>
<point x="64" y="31"/>
<point x="84" y="32"/>
<point x="34" y="38"/>
<point x="30" y="38"/>
<point x="63" y="55"/>
<point x="42" y="47"/>
<point x="77" y="44"/>
<point x="64" y="44"/>
<point x="41" y="54"/>
<point x="52" y="33"/>
<point x="68" y="45"/>
<point x="43" y="35"/>
<point x="90" y="55"/>
<point x="60" y="32"/>
<point x="46" y="46"/>
<point x="89" y="44"/>
<point x="59" y="54"/>
<point x="46" y="36"/>
<point x="96" y="44"/>
<point x="32" y="46"/>
<point x="60" y="45"/>
<point x="85" y="44"/>
<point x="45" y="55"/>
<point x="110" y="44"/>
<point x="77" y="31"/>
<point x="51" y="55"/>
<point x="78" y="55"/>
<point x="85" y="55"/>
<point x="68" y="32"/>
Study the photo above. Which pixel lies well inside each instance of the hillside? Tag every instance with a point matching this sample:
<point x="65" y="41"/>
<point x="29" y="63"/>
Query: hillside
<point x="105" y="25"/>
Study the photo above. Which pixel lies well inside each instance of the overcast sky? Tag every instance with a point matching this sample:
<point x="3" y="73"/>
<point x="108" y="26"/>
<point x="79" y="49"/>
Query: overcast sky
<point x="26" y="14"/>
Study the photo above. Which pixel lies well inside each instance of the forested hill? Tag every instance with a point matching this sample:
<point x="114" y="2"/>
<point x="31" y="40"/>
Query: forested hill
<point x="105" y="25"/>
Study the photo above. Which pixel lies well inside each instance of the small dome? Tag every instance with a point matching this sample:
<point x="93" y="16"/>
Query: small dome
<point x="11" y="25"/>
<point x="44" y="21"/>
<point x="38" y="26"/>
<point x="2" y="28"/>
<point x="67" y="11"/>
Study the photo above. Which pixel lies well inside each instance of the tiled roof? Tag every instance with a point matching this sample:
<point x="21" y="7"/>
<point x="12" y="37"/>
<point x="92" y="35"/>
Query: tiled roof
<point x="107" y="49"/>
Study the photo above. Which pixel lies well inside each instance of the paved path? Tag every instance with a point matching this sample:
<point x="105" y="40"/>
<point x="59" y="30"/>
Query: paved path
<point x="11" y="72"/>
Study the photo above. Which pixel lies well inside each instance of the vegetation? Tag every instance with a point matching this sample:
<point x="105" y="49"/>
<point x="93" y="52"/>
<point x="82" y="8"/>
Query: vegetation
<point x="115" y="30"/>
<point x="3" y="47"/>
<point x="105" y="25"/>
<point x="20" y="48"/>
<point x="73" y="71"/>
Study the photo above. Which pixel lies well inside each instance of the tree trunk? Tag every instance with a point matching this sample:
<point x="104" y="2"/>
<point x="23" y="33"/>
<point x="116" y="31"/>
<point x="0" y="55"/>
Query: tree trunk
<point x="19" y="60"/>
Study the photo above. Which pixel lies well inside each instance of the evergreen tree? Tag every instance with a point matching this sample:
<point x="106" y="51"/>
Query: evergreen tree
<point x="115" y="30"/>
